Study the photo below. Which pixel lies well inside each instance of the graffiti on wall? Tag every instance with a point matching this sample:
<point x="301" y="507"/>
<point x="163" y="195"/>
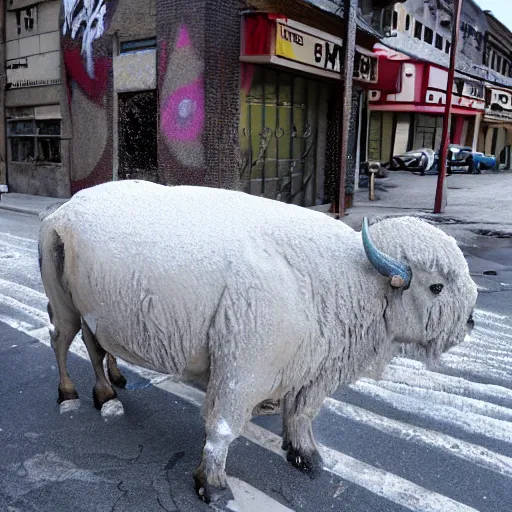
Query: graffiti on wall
<point x="86" y="23"/>
<point x="88" y="77"/>
<point x="182" y="101"/>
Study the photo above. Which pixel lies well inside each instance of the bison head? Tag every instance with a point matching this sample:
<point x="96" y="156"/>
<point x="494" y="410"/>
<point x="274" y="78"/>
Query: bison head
<point x="430" y="295"/>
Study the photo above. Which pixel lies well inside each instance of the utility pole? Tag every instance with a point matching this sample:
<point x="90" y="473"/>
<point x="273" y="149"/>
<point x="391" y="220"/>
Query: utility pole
<point x="347" y="73"/>
<point x="3" y="140"/>
<point x="445" y="140"/>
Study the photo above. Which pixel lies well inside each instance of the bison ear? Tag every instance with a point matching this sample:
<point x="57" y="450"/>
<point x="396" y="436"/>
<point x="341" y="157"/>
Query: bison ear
<point x="399" y="272"/>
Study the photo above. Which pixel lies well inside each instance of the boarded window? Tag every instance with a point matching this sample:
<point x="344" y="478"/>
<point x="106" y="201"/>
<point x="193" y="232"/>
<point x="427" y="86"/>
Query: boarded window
<point x="138" y="136"/>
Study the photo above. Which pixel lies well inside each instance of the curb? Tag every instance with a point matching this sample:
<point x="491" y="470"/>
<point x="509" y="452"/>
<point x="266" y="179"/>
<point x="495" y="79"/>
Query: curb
<point x="18" y="209"/>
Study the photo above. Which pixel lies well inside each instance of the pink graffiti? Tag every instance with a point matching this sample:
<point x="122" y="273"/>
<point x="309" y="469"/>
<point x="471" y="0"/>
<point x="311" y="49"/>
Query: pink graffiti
<point x="183" y="38"/>
<point x="183" y="112"/>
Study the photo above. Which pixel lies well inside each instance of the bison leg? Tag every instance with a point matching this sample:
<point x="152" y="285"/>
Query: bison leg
<point x="114" y="373"/>
<point x="298" y="439"/>
<point x="102" y="391"/>
<point x="65" y="327"/>
<point x="225" y="418"/>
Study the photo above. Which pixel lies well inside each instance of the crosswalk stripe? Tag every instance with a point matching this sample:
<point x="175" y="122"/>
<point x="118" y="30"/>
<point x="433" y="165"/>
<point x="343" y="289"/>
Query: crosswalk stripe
<point x="418" y="376"/>
<point x="441" y="398"/>
<point x="40" y="317"/>
<point x="448" y="444"/>
<point x="467" y="421"/>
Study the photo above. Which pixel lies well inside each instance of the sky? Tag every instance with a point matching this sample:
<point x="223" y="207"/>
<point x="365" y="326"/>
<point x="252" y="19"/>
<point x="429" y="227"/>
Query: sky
<point x="501" y="9"/>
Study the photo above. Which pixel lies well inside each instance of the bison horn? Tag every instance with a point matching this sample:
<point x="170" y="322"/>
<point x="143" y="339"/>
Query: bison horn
<point x="399" y="273"/>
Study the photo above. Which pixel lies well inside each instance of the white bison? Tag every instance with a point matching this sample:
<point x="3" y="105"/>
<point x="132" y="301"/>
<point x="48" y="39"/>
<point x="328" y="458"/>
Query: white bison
<point x="250" y="298"/>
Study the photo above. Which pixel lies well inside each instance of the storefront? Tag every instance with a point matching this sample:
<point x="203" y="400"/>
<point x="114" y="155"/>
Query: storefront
<point x="411" y="116"/>
<point x="291" y="108"/>
<point x="496" y="128"/>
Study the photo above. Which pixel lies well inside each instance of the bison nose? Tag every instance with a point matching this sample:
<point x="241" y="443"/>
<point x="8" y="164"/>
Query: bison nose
<point x="471" y="321"/>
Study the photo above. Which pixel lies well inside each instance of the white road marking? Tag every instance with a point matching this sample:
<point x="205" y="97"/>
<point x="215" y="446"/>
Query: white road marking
<point x="31" y="241"/>
<point x="442" y="398"/>
<point x="250" y="499"/>
<point x="448" y="444"/>
<point x="38" y="316"/>
<point x="466" y="421"/>
<point x="11" y="288"/>
<point x="418" y="376"/>
<point x="17" y="247"/>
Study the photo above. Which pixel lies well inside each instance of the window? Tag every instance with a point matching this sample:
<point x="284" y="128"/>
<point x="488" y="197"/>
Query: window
<point x="439" y="42"/>
<point x="418" y="28"/>
<point x="447" y="47"/>
<point x="407" y="22"/>
<point x="498" y="64"/>
<point x="26" y="20"/>
<point x="428" y="35"/>
<point x="395" y="20"/>
<point x="138" y="46"/>
<point x="34" y="140"/>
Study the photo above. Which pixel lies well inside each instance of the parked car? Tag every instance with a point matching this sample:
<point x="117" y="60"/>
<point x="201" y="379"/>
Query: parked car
<point x="426" y="161"/>
<point x="418" y="160"/>
<point x="463" y="157"/>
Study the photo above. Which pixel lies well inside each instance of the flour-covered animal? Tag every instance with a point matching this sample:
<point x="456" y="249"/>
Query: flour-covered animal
<point x="250" y="298"/>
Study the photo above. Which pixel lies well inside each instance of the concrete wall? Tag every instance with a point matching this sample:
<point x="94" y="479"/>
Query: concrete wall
<point x="33" y="55"/>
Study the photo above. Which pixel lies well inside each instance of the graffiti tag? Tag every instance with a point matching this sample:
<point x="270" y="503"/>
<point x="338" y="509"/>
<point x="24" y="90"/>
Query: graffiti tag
<point x="87" y="22"/>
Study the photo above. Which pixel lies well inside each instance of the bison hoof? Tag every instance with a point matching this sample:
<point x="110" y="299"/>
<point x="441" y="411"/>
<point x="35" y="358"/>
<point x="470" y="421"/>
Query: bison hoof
<point x="117" y="378"/>
<point x="209" y="493"/>
<point x="311" y="464"/>
<point x="103" y="396"/>
<point x="67" y="395"/>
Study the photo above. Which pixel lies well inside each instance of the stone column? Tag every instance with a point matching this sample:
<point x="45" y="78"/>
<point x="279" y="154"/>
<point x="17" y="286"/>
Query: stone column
<point x="199" y="92"/>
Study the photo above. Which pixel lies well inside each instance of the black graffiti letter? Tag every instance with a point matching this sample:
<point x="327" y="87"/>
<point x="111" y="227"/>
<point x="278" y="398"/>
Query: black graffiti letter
<point x="331" y="57"/>
<point x="318" y="52"/>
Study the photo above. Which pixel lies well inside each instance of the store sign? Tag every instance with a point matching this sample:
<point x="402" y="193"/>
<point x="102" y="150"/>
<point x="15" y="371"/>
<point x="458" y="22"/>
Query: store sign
<point x="302" y="44"/>
<point x="282" y="42"/>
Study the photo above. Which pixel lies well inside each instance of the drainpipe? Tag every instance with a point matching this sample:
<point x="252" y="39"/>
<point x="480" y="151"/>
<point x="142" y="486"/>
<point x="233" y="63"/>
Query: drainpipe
<point x="347" y="72"/>
<point x="441" y="188"/>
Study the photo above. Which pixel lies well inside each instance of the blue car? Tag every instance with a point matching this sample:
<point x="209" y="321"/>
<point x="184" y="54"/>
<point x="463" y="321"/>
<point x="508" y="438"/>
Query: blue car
<point x="464" y="159"/>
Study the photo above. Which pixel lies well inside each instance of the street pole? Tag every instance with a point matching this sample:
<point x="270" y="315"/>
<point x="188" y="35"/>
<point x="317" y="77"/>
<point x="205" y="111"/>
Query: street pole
<point x="443" y="153"/>
<point x="348" y="49"/>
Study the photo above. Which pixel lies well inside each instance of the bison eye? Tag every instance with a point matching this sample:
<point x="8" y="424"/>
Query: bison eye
<point x="436" y="288"/>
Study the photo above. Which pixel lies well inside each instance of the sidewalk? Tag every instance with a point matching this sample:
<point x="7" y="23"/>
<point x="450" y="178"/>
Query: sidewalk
<point x="31" y="205"/>
<point x="476" y="203"/>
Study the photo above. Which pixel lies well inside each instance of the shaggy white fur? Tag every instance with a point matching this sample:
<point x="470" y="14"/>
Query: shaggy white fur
<point x="259" y="299"/>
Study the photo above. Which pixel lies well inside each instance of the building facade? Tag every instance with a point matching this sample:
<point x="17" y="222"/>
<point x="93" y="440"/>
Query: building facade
<point x="407" y="106"/>
<point x="154" y="90"/>
<point x="104" y="90"/>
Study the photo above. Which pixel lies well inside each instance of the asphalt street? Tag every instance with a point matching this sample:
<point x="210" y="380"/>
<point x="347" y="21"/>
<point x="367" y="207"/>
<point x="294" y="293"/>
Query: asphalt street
<point x="415" y="440"/>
